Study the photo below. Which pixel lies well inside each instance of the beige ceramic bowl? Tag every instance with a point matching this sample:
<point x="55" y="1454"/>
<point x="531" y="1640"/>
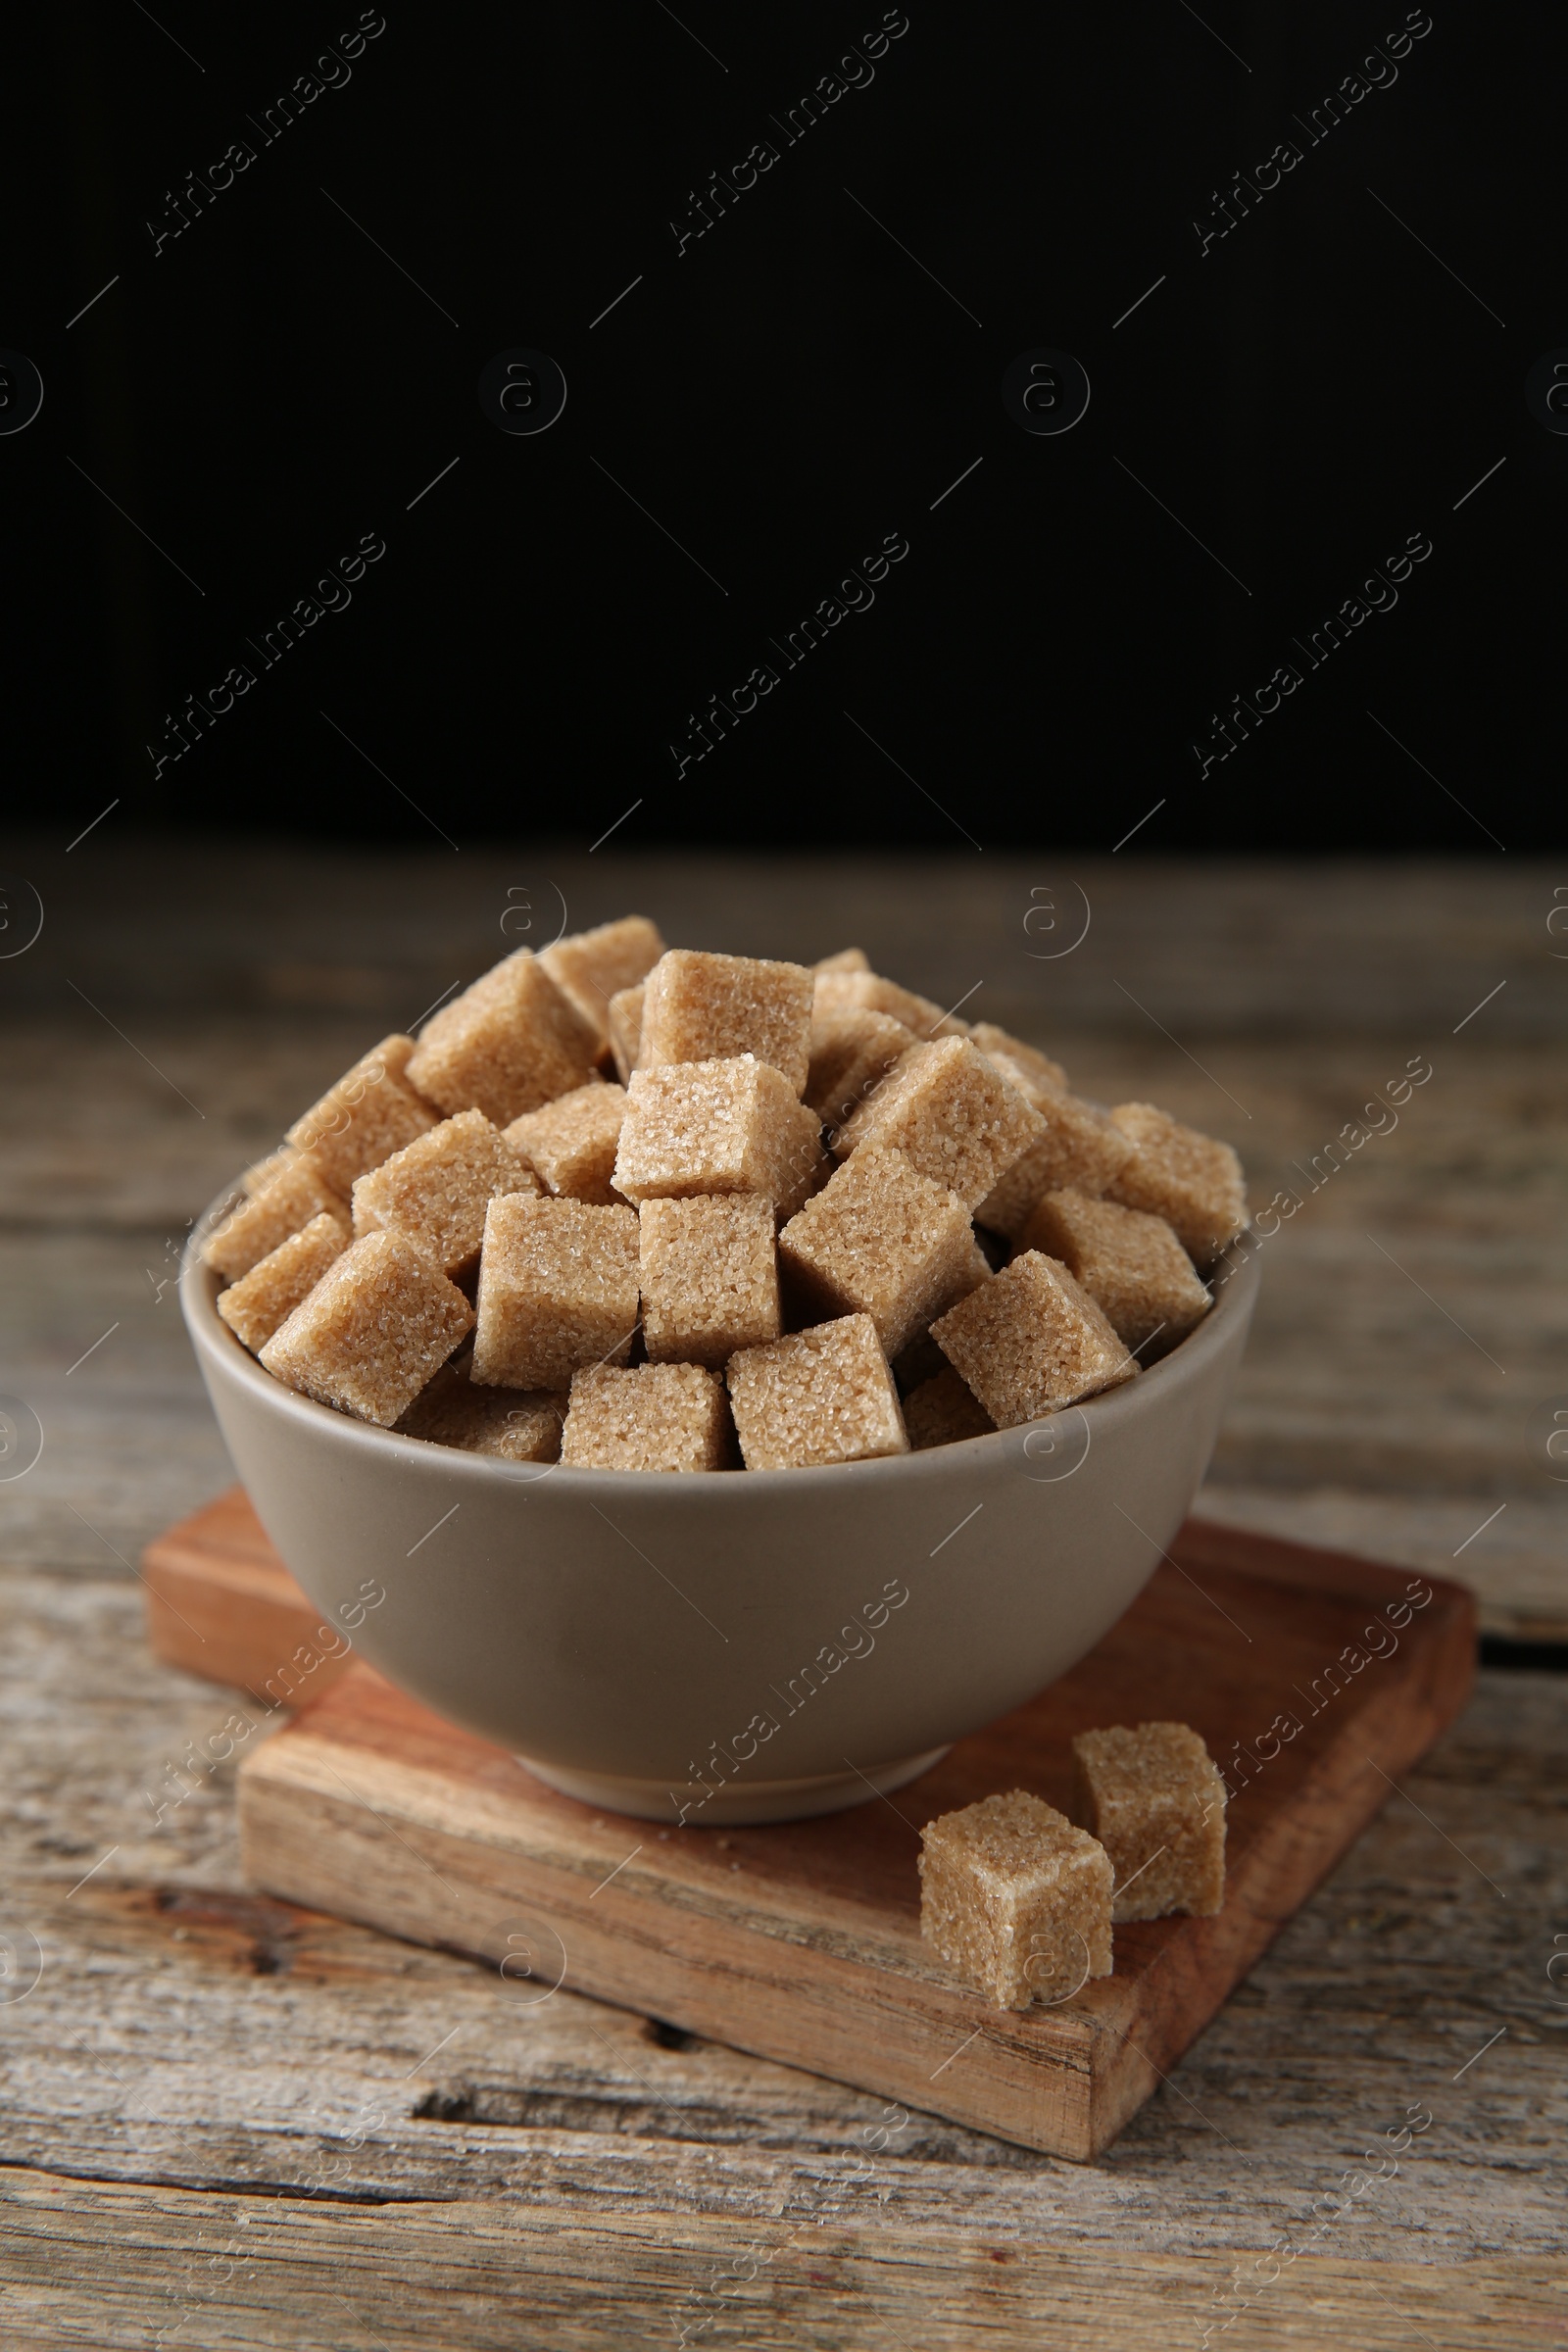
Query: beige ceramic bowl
<point x="753" y="1645"/>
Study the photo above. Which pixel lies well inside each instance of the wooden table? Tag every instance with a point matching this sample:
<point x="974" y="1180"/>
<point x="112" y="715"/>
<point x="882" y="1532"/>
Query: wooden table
<point x="248" y="2126"/>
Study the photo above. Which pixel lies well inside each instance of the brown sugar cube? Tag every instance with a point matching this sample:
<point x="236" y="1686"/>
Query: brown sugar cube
<point x="701" y="1008"/>
<point x="922" y="1359"/>
<point x="515" y="1425"/>
<point x="851" y="991"/>
<point x="260" y="1174"/>
<point x="819" y="1395"/>
<point x="285" y="1204"/>
<point x="1132" y="1265"/>
<point x="655" y="1417"/>
<point x="264" y="1298"/>
<point x="851" y="1053"/>
<point x="436" y="1189"/>
<point x="1032" y="1073"/>
<point x="716" y="1127"/>
<point x="946" y="1109"/>
<point x="1030" y="1340"/>
<point x="1080" y="1148"/>
<point x="1157" y="1803"/>
<point x="593" y="967"/>
<point x="1015" y="1900"/>
<point x="571" y="1141"/>
<point x="624" y="1021"/>
<point x="808" y="1168"/>
<point x="511" y="1041"/>
<point x="847" y="959"/>
<point x="709" y="1275"/>
<point x="558" y="1291"/>
<point x="1194" y="1183"/>
<point x="380" y="1321"/>
<point x="373" y="1111"/>
<point x="943" y="1410"/>
<point x="882" y="1239"/>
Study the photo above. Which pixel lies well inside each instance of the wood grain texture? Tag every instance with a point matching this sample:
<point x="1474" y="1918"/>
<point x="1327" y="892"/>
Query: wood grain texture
<point x="1250" y="947"/>
<point x="801" y="1941"/>
<point x="194" y="2055"/>
<point x="493" y="2276"/>
<point x="221" y="1604"/>
<point x="196" y="2063"/>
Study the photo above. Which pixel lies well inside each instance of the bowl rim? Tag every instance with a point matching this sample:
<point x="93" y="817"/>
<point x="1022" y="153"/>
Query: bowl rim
<point x="1232" y="1279"/>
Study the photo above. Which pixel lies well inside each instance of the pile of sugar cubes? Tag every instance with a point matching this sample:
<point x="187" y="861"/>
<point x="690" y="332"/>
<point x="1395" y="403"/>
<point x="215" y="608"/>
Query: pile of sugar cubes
<point x="808" y="1214"/>
<point x="1020" y="1901"/>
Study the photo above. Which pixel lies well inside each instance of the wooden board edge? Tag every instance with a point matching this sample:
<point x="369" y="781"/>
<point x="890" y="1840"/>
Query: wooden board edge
<point x="284" y="1785"/>
<point x="882" y="2032"/>
<point x="220" y="1603"/>
<point x="1347" y="1787"/>
<point x="229" y="1630"/>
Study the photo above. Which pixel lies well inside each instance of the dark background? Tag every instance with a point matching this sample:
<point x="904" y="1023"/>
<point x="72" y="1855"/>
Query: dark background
<point x="271" y="386"/>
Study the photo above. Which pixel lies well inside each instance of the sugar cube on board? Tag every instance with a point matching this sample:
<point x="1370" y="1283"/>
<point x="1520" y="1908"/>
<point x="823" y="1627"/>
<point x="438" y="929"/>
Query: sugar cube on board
<point x="882" y="1239"/>
<point x="515" y="1425"/>
<point x="558" y="1291"/>
<point x="1015" y="1900"/>
<point x="1173" y="1172"/>
<point x="1078" y="1147"/>
<point x="709" y="1275"/>
<point x="285" y="1204"/>
<point x="571" y="1141"/>
<point x="437" y="1189"/>
<point x="511" y="1041"/>
<point x="851" y="1053"/>
<point x="944" y="1411"/>
<point x="654" y="1417"/>
<point x="1030" y="1340"/>
<point x="847" y="959"/>
<point x="819" y="1395"/>
<point x="382" y="1319"/>
<point x="716" y="1127"/>
<point x="1157" y="1803"/>
<point x="593" y="967"/>
<point x="254" y="1307"/>
<point x="947" y="1111"/>
<point x="373" y="1111"/>
<point x="624" y="1022"/>
<point x="702" y="1007"/>
<point x="1024" y="1066"/>
<point x="838" y="990"/>
<point x="1132" y="1265"/>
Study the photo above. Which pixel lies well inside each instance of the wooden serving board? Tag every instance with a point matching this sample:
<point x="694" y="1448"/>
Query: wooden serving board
<point x="221" y="1604"/>
<point x="1315" y="1679"/>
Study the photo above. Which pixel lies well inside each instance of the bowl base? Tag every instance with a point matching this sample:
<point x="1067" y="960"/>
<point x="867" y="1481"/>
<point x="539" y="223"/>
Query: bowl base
<point x="694" y="1805"/>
